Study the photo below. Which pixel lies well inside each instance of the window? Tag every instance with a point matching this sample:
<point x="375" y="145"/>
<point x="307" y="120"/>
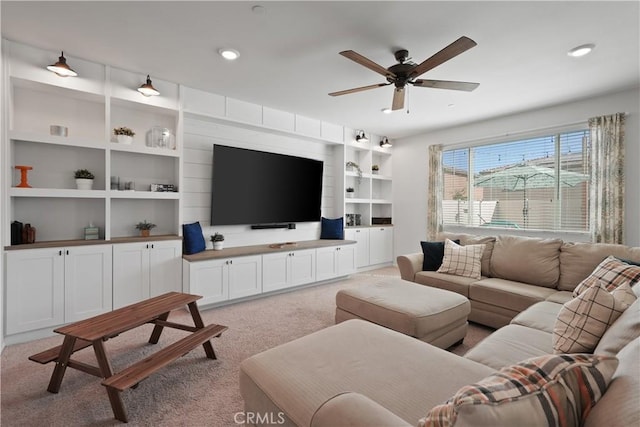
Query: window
<point x="539" y="183"/>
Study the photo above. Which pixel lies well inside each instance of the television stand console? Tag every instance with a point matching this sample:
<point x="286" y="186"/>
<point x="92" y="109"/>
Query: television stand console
<point x="244" y="272"/>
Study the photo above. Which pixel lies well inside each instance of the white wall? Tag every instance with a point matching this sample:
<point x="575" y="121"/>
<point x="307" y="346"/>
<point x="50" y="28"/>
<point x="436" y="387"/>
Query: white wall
<point x="199" y="138"/>
<point x="411" y="160"/>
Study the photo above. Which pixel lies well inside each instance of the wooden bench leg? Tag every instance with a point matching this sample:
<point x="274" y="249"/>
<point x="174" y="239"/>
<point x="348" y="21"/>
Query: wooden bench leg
<point x="61" y="364"/>
<point x="114" y="395"/>
<point x="157" y="330"/>
<point x="197" y="321"/>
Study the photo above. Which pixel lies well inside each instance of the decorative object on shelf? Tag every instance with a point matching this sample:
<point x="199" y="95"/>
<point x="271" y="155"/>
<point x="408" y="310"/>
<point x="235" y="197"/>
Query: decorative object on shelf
<point x="353" y="165"/>
<point x="16" y="233"/>
<point x="361" y="137"/>
<point x="159" y="137"/>
<point x="147" y="88"/>
<point x="375" y="169"/>
<point x="91" y="232"/>
<point x="351" y="219"/>
<point x="358" y="219"/>
<point x="23" y="176"/>
<point x="384" y="143"/>
<point x="145" y="228"/>
<point x="57" y="130"/>
<point x="127" y="186"/>
<point x="163" y="188"/>
<point x="124" y="135"/>
<point x="218" y="241"/>
<point x="28" y="234"/>
<point x="115" y="182"/>
<point x="61" y="68"/>
<point x="84" y="179"/>
<point x="381" y="220"/>
<point x="350" y="192"/>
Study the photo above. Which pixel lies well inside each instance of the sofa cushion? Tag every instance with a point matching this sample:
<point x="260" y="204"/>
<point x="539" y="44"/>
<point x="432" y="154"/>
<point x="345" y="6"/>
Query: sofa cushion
<point x="560" y="297"/>
<point x="541" y="316"/>
<point x="613" y="273"/>
<point x="506" y="293"/>
<point x="526" y="259"/>
<point x="461" y="260"/>
<point x="433" y="252"/>
<point x="470" y="239"/>
<point x="582" y="321"/>
<point x="549" y="390"/>
<point x="578" y="260"/>
<point x="449" y="282"/>
<point x="623" y="331"/>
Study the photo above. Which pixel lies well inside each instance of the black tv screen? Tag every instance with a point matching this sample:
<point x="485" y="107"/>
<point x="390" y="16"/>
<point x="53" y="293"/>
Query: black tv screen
<point x="256" y="187"/>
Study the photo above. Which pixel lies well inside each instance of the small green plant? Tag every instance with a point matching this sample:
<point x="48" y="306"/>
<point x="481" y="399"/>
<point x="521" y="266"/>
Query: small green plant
<point x="375" y="168"/>
<point x="217" y="237"/>
<point x="354" y="165"/>
<point x="145" y="225"/>
<point x="350" y="190"/>
<point x="83" y="174"/>
<point x="123" y="131"/>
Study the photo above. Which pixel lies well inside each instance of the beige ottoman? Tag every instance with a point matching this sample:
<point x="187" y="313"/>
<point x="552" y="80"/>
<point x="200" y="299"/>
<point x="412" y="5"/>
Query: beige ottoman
<point x="432" y="315"/>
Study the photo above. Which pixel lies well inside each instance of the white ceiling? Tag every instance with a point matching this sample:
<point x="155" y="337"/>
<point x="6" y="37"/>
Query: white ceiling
<point x="289" y="54"/>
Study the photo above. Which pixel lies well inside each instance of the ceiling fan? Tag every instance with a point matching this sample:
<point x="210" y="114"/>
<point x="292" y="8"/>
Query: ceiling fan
<point x="406" y="71"/>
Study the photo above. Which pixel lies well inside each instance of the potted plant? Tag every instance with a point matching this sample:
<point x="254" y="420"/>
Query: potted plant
<point x="84" y="179"/>
<point x="375" y="169"/>
<point x="124" y="135"/>
<point x="145" y="228"/>
<point x="350" y="192"/>
<point x="353" y="165"/>
<point x="218" y="241"/>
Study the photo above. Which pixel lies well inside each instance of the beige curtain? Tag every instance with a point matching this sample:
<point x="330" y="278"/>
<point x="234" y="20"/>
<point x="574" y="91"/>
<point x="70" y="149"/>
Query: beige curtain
<point x="606" y="200"/>
<point x="434" y="196"/>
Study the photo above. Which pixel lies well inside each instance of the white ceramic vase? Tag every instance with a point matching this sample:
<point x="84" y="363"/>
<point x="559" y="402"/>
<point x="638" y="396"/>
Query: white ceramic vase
<point x="124" y="139"/>
<point x="84" y="184"/>
<point x="217" y="246"/>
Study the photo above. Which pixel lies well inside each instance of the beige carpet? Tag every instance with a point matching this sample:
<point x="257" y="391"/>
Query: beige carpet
<point x="194" y="390"/>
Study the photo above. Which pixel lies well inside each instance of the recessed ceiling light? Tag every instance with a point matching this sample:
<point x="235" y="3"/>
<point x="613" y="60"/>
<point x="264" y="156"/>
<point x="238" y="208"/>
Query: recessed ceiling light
<point x="581" y="50"/>
<point x="387" y="110"/>
<point x="229" y="54"/>
<point x="258" y="10"/>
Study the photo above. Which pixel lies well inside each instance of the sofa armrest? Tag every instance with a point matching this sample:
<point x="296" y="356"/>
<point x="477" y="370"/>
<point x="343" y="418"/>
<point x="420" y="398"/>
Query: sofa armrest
<point x="353" y="410"/>
<point x="409" y="265"/>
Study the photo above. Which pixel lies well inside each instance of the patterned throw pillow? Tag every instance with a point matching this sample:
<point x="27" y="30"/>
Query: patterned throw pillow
<point x="613" y="272"/>
<point x="551" y="390"/>
<point x="582" y="321"/>
<point x="462" y="260"/>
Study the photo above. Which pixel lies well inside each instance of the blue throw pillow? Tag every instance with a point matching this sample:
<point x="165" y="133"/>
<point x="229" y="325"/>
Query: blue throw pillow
<point x="332" y="228"/>
<point x="192" y="239"/>
<point x="433" y="254"/>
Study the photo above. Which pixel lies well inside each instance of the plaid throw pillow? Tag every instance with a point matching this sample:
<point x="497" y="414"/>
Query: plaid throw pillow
<point x="551" y="390"/>
<point x="582" y="321"/>
<point x="462" y="260"/>
<point x="613" y="272"/>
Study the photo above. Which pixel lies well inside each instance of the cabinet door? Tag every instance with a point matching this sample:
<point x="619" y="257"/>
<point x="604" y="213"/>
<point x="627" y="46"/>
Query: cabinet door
<point x="380" y="245"/>
<point x="245" y="276"/>
<point x="275" y="271"/>
<point x="210" y="279"/>
<point x="130" y="273"/>
<point x="302" y="265"/>
<point x="326" y="263"/>
<point x="361" y="236"/>
<point x="87" y="281"/>
<point x="165" y="267"/>
<point x="346" y="260"/>
<point x="35" y="289"/>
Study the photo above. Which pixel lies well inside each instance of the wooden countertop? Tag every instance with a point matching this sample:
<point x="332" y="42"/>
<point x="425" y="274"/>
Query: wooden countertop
<point x="81" y="242"/>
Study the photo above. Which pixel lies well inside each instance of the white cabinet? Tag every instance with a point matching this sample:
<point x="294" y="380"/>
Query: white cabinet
<point x="361" y="236"/>
<point x="335" y="261"/>
<point x="380" y="245"/>
<point x="51" y="286"/>
<point x="218" y="280"/>
<point x="142" y="270"/>
<point x="286" y="269"/>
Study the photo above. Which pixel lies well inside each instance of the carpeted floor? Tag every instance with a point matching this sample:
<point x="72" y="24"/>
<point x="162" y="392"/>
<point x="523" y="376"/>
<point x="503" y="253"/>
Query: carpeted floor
<point x="194" y="390"/>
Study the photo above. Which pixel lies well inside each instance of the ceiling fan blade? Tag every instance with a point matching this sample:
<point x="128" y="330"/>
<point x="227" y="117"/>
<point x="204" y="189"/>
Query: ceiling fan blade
<point x="366" y="62"/>
<point x="454" y="49"/>
<point x="444" y="84"/>
<point x="398" y="99"/>
<point x="358" y="89"/>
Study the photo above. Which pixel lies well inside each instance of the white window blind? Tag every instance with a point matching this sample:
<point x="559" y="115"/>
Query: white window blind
<point x="536" y="183"/>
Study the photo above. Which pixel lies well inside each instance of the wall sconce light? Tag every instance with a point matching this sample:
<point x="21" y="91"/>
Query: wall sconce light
<point x="147" y="89"/>
<point x="61" y="68"/>
<point x="361" y="137"/>
<point x="384" y="143"/>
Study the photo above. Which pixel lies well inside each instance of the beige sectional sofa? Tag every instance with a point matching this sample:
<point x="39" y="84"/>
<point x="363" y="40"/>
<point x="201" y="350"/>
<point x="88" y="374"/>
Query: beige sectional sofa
<point x="517" y="272"/>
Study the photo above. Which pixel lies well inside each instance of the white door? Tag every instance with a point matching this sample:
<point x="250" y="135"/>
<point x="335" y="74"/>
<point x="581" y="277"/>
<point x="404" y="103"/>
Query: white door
<point x="361" y="236"/>
<point x="326" y="263"/>
<point x="275" y="271"/>
<point x="245" y="276"/>
<point x="346" y="262"/>
<point x="209" y="279"/>
<point x="380" y="245"/>
<point x="35" y="289"/>
<point x="302" y="266"/>
<point x="165" y="267"/>
<point x="87" y="284"/>
<point x="130" y="273"/>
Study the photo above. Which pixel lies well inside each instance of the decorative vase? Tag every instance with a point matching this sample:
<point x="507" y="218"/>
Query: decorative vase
<point x="124" y="139"/>
<point x="84" y="184"/>
<point x="350" y="195"/>
<point x="145" y="233"/>
<point x="217" y="246"/>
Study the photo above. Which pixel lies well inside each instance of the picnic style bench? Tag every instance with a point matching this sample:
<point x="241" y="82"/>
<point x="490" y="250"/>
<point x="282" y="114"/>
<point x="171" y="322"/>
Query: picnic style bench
<point x="95" y="330"/>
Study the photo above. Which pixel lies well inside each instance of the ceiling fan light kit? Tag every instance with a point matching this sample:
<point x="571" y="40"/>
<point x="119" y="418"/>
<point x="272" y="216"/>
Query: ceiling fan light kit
<point x="61" y="68"/>
<point x="406" y="72"/>
<point x="147" y="88"/>
<point x="361" y="137"/>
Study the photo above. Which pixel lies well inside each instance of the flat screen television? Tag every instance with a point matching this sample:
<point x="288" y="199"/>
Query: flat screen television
<point x="259" y="188"/>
